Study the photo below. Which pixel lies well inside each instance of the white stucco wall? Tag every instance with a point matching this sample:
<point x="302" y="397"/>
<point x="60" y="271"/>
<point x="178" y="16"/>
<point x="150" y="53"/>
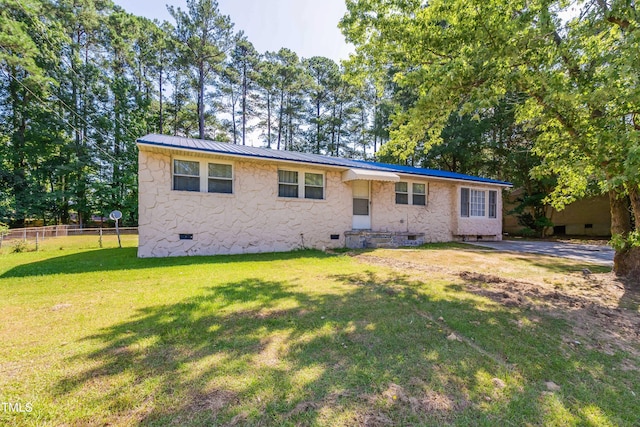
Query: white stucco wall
<point x="253" y="219"/>
<point x="434" y="219"/>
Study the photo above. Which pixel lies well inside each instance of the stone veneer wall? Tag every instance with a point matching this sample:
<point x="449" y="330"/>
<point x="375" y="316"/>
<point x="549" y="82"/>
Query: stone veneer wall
<point x="434" y="219"/>
<point x="253" y="219"/>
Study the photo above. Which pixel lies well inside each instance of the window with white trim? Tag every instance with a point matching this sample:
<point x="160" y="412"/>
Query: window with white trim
<point x="220" y="178"/>
<point x="313" y="186"/>
<point x="493" y="204"/>
<point x="475" y="203"/>
<point x="419" y="195"/>
<point x="411" y="193"/>
<point x="291" y="184"/>
<point x="287" y="183"/>
<point x="402" y="193"/>
<point x="186" y="175"/>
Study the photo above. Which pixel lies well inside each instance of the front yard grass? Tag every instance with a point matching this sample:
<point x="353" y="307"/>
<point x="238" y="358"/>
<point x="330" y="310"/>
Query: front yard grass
<point x="411" y="337"/>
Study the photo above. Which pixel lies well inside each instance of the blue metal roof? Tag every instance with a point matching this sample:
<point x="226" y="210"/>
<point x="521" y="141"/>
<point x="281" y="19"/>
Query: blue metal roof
<point x="207" y="146"/>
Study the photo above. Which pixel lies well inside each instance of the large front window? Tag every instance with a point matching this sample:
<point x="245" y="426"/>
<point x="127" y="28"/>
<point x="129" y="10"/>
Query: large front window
<point x="473" y="203"/>
<point x="476" y="203"/>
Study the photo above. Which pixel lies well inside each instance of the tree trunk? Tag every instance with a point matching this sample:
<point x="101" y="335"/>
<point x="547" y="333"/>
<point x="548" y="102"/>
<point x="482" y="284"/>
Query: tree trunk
<point x="620" y="218"/>
<point x="333" y="129"/>
<point x="268" y="120"/>
<point x="280" y="118"/>
<point x="318" y="126"/>
<point x="201" y="100"/>
<point x="626" y="262"/>
<point x="244" y="103"/>
<point x="634" y="196"/>
<point x="339" y="131"/>
<point x="176" y="104"/>
<point x="234" y="128"/>
<point x="161" y="121"/>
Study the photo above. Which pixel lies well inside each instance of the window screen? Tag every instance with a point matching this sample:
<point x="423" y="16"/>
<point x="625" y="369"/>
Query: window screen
<point x="419" y="195"/>
<point x="287" y="183"/>
<point x="464" y="202"/>
<point x="493" y="204"/>
<point x="402" y="193"/>
<point x="361" y="206"/>
<point x="313" y="186"/>
<point x="476" y="203"/>
<point x="186" y="175"/>
<point x="220" y="178"/>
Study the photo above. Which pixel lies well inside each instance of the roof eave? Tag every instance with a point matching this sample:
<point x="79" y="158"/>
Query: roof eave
<point x="141" y="142"/>
<point x="235" y="155"/>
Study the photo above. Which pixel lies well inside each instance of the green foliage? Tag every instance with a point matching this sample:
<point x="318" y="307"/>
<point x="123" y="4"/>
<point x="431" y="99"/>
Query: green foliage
<point x="574" y="65"/>
<point x="203" y="37"/>
<point x="81" y="80"/>
<point x="623" y="243"/>
<point x="20" y="246"/>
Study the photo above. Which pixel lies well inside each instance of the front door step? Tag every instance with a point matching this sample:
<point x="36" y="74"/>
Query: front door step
<point x="358" y="239"/>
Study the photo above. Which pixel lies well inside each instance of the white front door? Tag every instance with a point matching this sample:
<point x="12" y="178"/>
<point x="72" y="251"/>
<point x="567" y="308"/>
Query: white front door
<point x="361" y="208"/>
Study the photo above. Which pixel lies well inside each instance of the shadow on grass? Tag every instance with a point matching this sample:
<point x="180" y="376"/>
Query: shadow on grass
<point x="265" y="353"/>
<point x="561" y="265"/>
<point x="114" y="259"/>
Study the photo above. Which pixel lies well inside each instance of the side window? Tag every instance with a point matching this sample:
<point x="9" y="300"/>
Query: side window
<point x="313" y="186"/>
<point x="220" y="178"/>
<point x="402" y="193"/>
<point x="419" y="194"/>
<point x="287" y="183"/>
<point x="186" y="175"/>
<point x="464" y="202"/>
<point x="493" y="204"/>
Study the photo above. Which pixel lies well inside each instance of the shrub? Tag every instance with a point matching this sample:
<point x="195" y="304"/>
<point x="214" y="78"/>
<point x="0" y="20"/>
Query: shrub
<point x="20" y="246"/>
<point x="527" y="232"/>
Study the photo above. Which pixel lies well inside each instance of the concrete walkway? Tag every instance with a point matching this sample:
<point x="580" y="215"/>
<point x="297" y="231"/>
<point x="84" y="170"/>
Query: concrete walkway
<point x="590" y="254"/>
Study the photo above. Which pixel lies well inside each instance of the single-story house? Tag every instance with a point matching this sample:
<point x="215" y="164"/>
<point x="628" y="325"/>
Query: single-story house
<point x="199" y="197"/>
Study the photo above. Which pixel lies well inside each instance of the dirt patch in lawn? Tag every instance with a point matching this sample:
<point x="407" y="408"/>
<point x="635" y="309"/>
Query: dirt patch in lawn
<point x="603" y="309"/>
<point x="594" y="305"/>
<point x="214" y="400"/>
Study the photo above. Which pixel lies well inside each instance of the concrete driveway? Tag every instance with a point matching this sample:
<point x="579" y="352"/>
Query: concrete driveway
<point x="590" y="254"/>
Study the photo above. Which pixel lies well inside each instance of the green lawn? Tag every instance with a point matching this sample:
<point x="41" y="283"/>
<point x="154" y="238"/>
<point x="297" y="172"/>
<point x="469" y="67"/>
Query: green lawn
<point x="96" y="336"/>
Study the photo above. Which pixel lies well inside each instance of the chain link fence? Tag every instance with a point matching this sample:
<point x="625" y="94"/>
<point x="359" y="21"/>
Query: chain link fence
<point x="50" y="231"/>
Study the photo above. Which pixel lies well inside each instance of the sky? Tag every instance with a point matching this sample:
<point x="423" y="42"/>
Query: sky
<point x="307" y="27"/>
